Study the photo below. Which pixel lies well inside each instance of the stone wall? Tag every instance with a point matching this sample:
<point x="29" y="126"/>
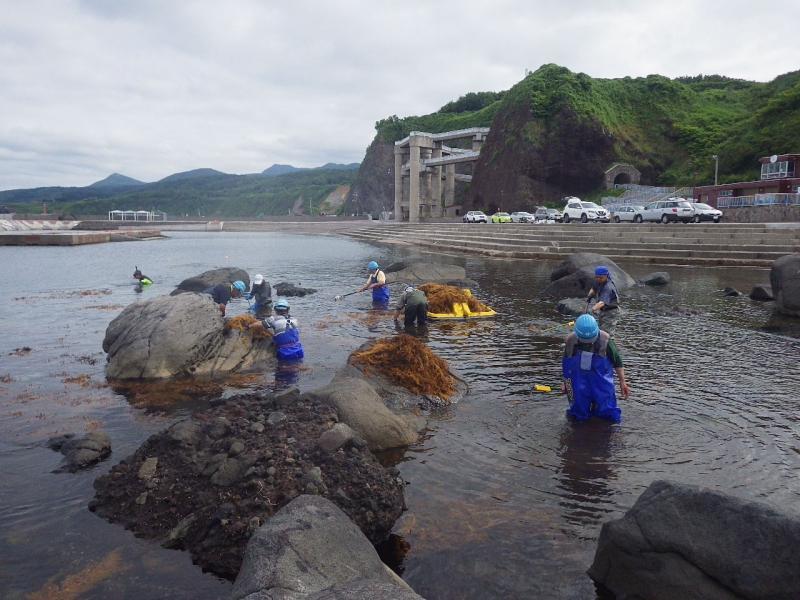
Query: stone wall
<point x="772" y="213"/>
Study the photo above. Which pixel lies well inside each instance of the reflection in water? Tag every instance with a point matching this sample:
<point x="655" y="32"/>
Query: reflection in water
<point x="585" y="452"/>
<point x="287" y="373"/>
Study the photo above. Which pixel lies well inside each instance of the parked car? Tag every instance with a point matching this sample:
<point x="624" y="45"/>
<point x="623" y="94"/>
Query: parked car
<point x="666" y="211"/>
<point x="584" y="212"/>
<point x="548" y="214"/>
<point x="501" y="217"/>
<point x="704" y="212"/>
<point x="521" y="217"/>
<point x="625" y="212"/>
<point x="475" y="216"/>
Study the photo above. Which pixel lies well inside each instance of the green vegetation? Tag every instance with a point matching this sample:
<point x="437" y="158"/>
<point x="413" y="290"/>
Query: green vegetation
<point x="216" y="194"/>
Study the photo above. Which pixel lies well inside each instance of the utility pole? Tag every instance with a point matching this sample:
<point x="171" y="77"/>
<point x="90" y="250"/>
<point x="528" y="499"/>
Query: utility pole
<point x="716" y="167"/>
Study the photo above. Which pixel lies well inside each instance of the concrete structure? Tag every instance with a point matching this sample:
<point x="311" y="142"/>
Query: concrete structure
<point x="621" y="174"/>
<point x="779" y="184"/>
<point x="421" y="162"/>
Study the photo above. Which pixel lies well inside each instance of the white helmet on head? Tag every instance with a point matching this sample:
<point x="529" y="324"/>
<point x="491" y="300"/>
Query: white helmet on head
<point x="258" y="279"/>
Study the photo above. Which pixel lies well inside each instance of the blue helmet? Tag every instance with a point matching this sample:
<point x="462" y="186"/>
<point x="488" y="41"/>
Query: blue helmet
<point x="372" y="265"/>
<point x="240" y="286"/>
<point x="409" y="287"/>
<point x="586" y="329"/>
<point x="281" y="304"/>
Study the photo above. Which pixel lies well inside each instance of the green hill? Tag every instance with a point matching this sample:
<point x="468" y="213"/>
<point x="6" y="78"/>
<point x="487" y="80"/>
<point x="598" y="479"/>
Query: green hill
<point x="556" y="132"/>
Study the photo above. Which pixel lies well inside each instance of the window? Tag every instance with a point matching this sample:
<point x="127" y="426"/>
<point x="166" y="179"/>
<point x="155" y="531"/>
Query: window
<point x="777" y="170"/>
<point x="725" y="193"/>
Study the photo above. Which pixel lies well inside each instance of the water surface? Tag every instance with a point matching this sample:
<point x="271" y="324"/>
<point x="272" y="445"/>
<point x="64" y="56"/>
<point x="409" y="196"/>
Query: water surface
<point x="506" y="497"/>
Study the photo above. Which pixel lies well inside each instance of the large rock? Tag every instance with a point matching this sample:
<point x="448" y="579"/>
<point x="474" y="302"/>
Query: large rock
<point x="359" y="406"/>
<point x="785" y="280"/>
<point x="307" y="547"/>
<point x="575" y="276"/>
<point x="177" y="335"/>
<point x="211" y="278"/>
<point x="419" y="270"/>
<point x="81" y="453"/>
<point x="687" y="542"/>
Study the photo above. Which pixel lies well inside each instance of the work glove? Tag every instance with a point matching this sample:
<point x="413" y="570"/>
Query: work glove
<point x="588" y="298"/>
<point x="248" y="297"/>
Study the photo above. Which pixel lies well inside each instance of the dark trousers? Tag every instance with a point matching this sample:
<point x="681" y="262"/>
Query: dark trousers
<point x="418" y="313"/>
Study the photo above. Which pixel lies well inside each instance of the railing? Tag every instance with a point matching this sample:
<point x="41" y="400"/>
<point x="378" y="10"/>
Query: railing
<point x="643" y="188"/>
<point x="757" y="200"/>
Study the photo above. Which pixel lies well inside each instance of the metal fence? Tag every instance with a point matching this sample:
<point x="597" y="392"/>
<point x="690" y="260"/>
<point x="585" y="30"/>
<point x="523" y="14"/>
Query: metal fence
<point x="757" y="200"/>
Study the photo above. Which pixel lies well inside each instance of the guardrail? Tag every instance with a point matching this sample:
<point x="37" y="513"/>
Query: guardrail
<point x="757" y="200"/>
<point x="643" y="188"/>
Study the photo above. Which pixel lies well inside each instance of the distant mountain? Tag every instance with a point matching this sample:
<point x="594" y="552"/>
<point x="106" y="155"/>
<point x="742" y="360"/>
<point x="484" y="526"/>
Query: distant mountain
<point x="116" y="180"/>
<point x="281" y="169"/>
<point x="194" y="173"/>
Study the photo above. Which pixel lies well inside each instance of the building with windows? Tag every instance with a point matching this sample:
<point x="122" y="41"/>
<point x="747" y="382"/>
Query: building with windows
<point x="779" y="184"/>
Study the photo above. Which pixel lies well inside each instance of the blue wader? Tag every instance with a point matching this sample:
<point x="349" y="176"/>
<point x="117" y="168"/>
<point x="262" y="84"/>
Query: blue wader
<point x="379" y="294"/>
<point x="590" y="389"/>
<point x="289" y="343"/>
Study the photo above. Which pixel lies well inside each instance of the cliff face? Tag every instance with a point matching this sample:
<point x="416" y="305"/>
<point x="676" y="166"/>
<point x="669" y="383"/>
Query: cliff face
<point x="373" y="189"/>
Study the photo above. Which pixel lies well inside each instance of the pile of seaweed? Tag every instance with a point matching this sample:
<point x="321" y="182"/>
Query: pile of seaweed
<point x="409" y="363"/>
<point x="442" y="298"/>
<point x="242" y="323"/>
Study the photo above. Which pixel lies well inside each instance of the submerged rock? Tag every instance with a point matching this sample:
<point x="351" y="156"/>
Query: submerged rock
<point x="167" y="336"/>
<point x="420" y="270"/>
<point x="684" y="541"/>
<point x="658" y="278"/>
<point x="575" y="276"/>
<point x="80" y="453"/>
<point x="208" y="279"/>
<point x="289" y="289"/>
<point x="785" y="280"/>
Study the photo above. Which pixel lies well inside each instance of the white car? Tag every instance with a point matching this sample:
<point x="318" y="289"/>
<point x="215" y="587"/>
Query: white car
<point x="521" y="217"/>
<point x="666" y="211"/>
<point x="575" y="210"/>
<point x="475" y="216"/>
<point x="704" y="212"/>
<point x="625" y="212"/>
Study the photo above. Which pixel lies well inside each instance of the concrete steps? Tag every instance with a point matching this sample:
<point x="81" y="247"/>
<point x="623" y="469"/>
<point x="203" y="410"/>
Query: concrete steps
<point x="747" y="244"/>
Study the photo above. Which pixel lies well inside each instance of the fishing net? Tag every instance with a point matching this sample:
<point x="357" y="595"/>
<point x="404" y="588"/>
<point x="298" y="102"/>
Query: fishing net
<point x="442" y="298"/>
<point x="407" y="362"/>
<point x="242" y="323"/>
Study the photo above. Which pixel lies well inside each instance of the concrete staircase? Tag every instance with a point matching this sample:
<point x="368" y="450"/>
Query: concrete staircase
<point x="735" y="244"/>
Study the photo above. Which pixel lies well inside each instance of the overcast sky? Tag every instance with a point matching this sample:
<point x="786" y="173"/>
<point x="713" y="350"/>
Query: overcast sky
<point x="148" y="88"/>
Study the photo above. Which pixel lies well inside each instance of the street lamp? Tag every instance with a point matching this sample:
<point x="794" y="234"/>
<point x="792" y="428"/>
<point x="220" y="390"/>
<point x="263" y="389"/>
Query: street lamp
<point x="716" y="167"/>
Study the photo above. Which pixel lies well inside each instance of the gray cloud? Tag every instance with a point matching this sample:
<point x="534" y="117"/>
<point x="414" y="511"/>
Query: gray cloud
<point x="150" y="88"/>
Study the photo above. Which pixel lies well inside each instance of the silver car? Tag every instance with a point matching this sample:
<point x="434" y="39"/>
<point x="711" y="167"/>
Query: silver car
<point x="704" y="212"/>
<point x="666" y="211"/>
<point x="521" y="217"/>
<point x="625" y="212"/>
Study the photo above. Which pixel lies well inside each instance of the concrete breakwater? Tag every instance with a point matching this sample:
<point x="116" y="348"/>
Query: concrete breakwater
<point x="738" y="244"/>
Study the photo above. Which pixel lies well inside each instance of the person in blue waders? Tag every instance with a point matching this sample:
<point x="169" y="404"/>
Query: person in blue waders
<point x="284" y="331"/>
<point x="377" y="283"/>
<point x="589" y="363"/>
<point x="607" y="304"/>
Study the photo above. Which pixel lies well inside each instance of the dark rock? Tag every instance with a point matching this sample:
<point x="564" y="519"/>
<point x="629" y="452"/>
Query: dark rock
<point x="785" y="280"/>
<point x="182" y="335"/>
<point x="80" y="453"/>
<point x="677" y="311"/>
<point x="419" y="270"/>
<point x="305" y="548"/>
<point x="575" y="276"/>
<point x="729" y="291"/>
<point x="187" y="498"/>
<point x="658" y="278"/>
<point x="208" y="279"/>
<point x="762" y="293"/>
<point x="571" y="306"/>
<point x="687" y="542"/>
<point x="289" y="289"/>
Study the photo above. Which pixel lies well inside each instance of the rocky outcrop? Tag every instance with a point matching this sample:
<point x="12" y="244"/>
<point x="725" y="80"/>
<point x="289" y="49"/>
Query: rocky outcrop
<point x="785" y="280"/>
<point x="762" y="292"/>
<point x="80" y="453"/>
<point x="289" y="289"/>
<point x="310" y="550"/>
<point x="207" y="483"/>
<point x="419" y="270"/>
<point x="656" y="279"/>
<point x="575" y="276"/>
<point x="211" y="278"/>
<point x="682" y="541"/>
<point x="168" y="336"/>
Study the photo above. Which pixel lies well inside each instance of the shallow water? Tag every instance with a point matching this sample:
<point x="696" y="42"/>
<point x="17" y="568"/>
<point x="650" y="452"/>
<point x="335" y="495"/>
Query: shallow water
<point x="506" y="497"/>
